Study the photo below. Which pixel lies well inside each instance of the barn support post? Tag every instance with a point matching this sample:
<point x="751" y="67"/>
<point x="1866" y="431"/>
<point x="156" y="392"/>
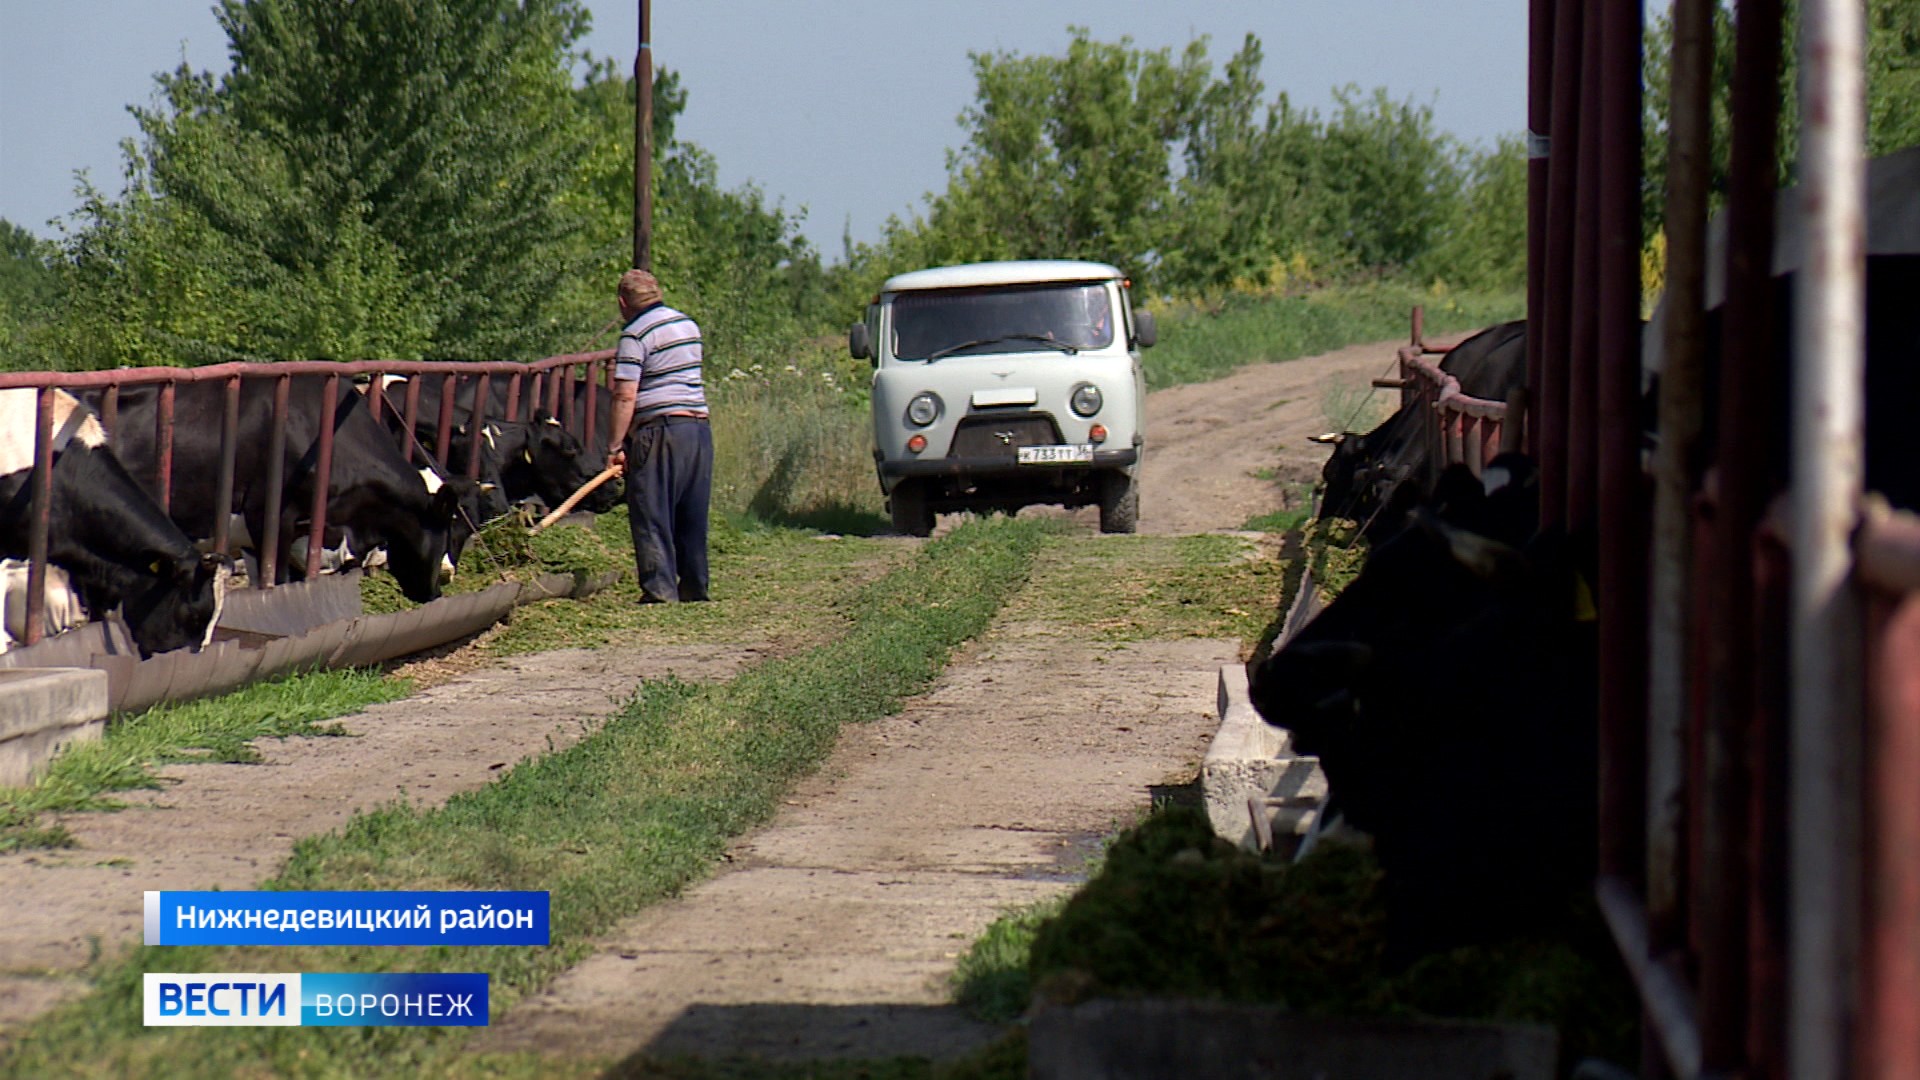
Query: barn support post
<point x="322" y="477"/>
<point x="1584" y="325"/>
<point x="40" y="507"/>
<point x="110" y="409"/>
<point x="1767" y="806"/>
<point x="1890" y="958"/>
<point x="1682" y="405"/>
<point x="276" y="483"/>
<point x="1622" y="595"/>
<point x="1747" y="467"/>
<point x="1562" y="171"/>
<point x="229" y="456"/>
<point x="1829" y="364"/>
<point x="1540" y="45"/>
<point x="513" y="398"/>
<point x="481" y="393"/>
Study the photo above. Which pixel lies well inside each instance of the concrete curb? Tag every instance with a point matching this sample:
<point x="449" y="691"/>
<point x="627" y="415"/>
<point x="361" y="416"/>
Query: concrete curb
<point x="43" y="709"/>
<point x="1251" y="780"/>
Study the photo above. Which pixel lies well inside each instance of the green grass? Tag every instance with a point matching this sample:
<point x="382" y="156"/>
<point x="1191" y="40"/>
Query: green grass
<point x="626" y="817"/>
<point x="1201" y="344"/>
<point x="991" y="980"/>
<point x="218" y="729"/>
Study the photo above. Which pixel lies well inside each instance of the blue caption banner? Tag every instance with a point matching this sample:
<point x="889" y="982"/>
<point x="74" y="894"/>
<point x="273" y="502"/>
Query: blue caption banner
<point x="287" y="999"/>
<point x="346" y="918"/>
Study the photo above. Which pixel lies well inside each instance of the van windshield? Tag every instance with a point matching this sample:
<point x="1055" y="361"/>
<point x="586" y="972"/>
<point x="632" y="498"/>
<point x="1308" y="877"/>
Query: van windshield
<point x="1002" y="319"/>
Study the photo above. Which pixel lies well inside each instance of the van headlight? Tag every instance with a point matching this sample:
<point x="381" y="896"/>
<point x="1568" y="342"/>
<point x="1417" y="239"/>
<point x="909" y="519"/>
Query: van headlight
<point x="924" y="409"/>
<point x="1085" y="399"/>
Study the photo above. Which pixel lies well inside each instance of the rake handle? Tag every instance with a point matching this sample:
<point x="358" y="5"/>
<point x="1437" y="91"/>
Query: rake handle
<point x="573" y="500"/>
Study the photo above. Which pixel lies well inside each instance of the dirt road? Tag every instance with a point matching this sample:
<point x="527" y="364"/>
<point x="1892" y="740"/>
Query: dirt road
<point x="834" y="929"/>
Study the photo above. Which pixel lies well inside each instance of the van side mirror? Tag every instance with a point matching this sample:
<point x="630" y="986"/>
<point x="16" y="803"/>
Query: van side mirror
<point x="1145" y="333"/>
<point x="858" y="343"/>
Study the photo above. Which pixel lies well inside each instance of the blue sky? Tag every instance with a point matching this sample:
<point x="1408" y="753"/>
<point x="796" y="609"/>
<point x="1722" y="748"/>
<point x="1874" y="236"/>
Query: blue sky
<point x="845" y="109"/>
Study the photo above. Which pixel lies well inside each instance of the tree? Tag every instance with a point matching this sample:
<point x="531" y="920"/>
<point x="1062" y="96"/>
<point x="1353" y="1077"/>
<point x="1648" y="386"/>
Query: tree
<point x="741" y="264"/>
<point x="377" y="177"/>
<point x="1892" y="62"/>
<point x="1186" y="179"/>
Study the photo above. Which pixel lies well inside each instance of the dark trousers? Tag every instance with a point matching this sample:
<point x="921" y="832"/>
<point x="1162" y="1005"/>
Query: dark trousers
<point x="669" y="482"/>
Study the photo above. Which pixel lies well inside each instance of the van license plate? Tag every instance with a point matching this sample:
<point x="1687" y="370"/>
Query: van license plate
<point x="1056" y="455"/>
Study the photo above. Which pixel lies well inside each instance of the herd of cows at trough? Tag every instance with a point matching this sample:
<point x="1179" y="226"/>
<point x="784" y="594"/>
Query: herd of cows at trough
<point x="1451" y="690"/>
<point x="112" y="547"/>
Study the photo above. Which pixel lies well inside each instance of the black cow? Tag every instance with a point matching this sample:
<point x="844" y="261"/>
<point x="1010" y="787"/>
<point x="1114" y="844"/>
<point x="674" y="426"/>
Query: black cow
<point x="535" y="458"/>
<point x="1362" y="477"/>
<point x="373" y="494"/>
<point x="106" y="531"/>
<point x="1450" y="694"/>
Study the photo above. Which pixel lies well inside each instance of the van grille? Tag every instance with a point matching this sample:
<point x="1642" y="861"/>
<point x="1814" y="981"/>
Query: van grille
<point x="998" y="436"/>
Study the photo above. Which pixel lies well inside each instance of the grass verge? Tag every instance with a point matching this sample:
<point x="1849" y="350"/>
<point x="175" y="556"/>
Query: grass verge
<point x="1200" y="344"/>
<point x="212" y="730"/>
<point x="625" y="817"/>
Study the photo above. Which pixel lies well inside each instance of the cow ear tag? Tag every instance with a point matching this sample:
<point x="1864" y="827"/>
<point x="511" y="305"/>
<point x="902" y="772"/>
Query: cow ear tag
<point x="1584" y="609"/>
<point x="155" y="568"/>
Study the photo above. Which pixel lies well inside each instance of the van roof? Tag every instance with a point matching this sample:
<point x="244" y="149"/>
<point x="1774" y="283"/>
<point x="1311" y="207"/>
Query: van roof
<point x="1022" y="272"/>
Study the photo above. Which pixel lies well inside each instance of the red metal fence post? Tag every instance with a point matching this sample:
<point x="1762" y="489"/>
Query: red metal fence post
<point x="40" y="507"/>
<point x="229" y="455"/>
<point x="322" y="477"/>
<point x="163" y="443"/>
<point x="482" y="392"/>
<point x="276" y="484"/>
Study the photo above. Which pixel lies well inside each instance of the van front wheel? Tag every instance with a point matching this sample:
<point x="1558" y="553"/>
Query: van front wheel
<point x="911" y="515"/>
<point x="1119" y="503"/>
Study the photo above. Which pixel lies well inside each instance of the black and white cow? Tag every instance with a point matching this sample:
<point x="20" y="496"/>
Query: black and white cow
<point x="1450" y="694"/>
<point x="535" y="458"/>
<point x="106" y="532"/>
<point x="373" y="493"/>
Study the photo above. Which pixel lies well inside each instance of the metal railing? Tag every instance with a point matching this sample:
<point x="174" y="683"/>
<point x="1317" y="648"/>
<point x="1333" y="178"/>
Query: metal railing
<point x="548" y="384"/>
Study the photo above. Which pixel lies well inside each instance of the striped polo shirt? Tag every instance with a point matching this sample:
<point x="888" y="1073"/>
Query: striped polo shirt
<point x="661" y="348"/>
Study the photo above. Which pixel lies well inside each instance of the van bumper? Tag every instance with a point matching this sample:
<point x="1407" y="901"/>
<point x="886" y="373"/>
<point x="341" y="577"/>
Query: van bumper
<point x="982" y="466"/>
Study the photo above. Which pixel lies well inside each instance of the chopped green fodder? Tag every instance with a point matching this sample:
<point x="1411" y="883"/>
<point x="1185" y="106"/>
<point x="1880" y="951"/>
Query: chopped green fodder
<point x="1176" y="911"/>
<point x="627" y="816"/>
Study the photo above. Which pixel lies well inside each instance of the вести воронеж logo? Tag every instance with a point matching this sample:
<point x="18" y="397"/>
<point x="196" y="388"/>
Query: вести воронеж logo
<point x="330" y="999"/>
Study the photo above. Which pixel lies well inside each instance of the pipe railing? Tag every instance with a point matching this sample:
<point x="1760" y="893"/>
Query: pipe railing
<point x="1457" y="427"/>
<point x="550" y="377"/>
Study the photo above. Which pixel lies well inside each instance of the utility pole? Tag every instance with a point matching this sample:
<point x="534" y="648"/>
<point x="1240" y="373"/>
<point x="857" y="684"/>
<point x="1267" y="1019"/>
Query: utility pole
<point x="643" y="146"/>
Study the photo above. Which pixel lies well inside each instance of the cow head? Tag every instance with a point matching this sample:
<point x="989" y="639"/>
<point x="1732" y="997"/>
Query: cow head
<point x="181" y="606"/>
<point x="415" y="559"/>
<point x="561" y="465"/>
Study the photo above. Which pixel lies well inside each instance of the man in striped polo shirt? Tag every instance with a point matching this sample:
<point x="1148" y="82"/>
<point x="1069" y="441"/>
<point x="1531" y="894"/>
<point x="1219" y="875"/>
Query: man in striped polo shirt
<point x="659" y="433"/>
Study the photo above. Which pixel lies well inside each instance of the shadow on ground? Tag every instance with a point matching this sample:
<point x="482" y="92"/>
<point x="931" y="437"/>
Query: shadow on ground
<point x="790" y="1034"/>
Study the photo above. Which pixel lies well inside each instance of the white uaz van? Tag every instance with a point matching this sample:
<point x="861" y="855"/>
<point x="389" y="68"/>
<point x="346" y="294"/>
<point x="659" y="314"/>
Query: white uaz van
<point x="1001" y="385"/>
